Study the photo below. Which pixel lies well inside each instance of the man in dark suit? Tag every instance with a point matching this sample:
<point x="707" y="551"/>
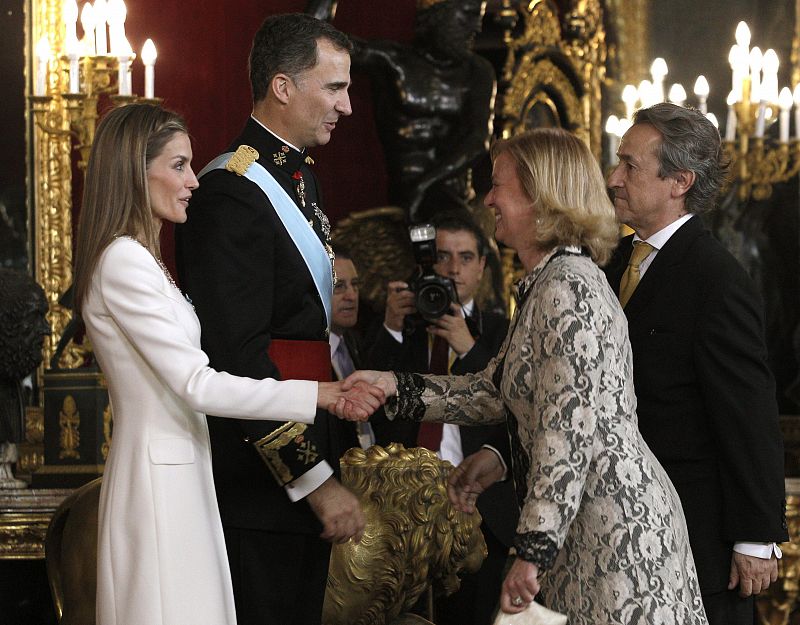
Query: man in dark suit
<point x="345" y="345"/>
<point x="470" y="337"/>
<point x="706" y="399"/>
<point x="260" y="279"/>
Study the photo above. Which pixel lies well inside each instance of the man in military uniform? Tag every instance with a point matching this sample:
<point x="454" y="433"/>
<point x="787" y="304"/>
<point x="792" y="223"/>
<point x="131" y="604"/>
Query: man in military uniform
<point x="261" y="282"/>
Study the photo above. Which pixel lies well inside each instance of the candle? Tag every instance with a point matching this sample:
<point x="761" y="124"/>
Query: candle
<point x="785" y="105"/>
<point x="87" y="21"/>
<point x="761" y="119"/>
<point x="677" y="94"/>
<point x="70" y="15"/>
<point x="740" y="64"/>
<point x="117" y="12"/>
<point x="646" y="93"/>
<point x="713" y="119"/>
<point x="42" y="60"/>
<point x="73" y="55"/>
<point x="796" y="97"/>
<point x="100" y="16"/>
<point x="743" y="37"/>
<point x="149" y="59"/>
<point x="658" y="70"/>
<point x="756" y="63"/>
<point x="730" y="125"/>
<point x="630" y="96"/>
<point x="701" y="90"/>
<point x="769" y="85"/>
<point x="612" y="128"/>
<point x="123" y="66"/>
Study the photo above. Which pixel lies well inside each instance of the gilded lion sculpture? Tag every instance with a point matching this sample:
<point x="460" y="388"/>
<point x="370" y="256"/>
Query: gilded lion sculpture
<point x="413" y="537"/>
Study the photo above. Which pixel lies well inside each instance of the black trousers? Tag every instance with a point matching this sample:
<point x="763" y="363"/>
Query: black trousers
<point x="278" y="579"/>
<point x="728" y="608"/>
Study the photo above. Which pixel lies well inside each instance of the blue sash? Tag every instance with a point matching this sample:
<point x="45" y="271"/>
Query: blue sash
<point x="302" y="234"/>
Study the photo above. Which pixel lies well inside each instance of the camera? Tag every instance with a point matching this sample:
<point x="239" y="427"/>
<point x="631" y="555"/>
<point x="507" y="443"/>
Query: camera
<point x="434" y="293"/>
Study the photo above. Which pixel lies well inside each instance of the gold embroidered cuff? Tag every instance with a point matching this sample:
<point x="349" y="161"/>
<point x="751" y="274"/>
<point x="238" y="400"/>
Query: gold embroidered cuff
<point x="271" y="445"/>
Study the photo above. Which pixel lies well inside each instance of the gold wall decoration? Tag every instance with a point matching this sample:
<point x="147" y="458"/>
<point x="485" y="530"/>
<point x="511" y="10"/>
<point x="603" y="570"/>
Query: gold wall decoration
<point x="69" y="421"/>
<point x="50" y="185"/>
<point x="557" y="67"/>
<point x="628" y="47"/>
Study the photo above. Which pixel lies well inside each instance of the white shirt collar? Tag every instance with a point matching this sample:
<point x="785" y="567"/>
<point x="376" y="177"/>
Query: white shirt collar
<point x="468" y="308"/>
<point x="275" y="134"/>
<point x="660" y="238"/>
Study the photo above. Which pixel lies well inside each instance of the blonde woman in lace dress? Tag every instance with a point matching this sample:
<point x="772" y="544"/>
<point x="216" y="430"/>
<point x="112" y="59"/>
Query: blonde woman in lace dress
<point x="598" y="514"/>
<point x="161" y="556"/>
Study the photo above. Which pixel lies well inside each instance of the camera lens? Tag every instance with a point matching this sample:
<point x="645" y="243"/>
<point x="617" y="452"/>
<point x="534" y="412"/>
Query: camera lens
<point x="433" y="301"/>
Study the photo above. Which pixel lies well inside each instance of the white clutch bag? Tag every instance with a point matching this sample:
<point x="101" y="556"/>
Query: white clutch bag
<point x="535" y="615"/>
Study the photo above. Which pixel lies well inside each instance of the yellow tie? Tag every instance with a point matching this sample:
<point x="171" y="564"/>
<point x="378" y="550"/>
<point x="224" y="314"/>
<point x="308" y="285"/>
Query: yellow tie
<point x="630" y="279"/>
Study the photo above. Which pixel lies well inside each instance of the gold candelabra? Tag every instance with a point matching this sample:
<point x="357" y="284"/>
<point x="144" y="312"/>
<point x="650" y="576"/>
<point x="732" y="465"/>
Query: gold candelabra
<point x="69" y="91"/>
<point x="758" y="162"/>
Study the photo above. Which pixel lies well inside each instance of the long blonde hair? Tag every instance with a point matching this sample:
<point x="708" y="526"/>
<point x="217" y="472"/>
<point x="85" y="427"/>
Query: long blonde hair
<point x="116" y="199"/>
<point x="563" y="180"/>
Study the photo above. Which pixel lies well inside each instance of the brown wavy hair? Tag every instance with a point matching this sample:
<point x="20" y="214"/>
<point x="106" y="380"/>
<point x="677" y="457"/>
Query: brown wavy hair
<point x="116" y="200"/>
<point x="563" y="180"/>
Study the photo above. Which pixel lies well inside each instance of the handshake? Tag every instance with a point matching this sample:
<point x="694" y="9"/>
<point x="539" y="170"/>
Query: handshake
<point x="357" y="397"/>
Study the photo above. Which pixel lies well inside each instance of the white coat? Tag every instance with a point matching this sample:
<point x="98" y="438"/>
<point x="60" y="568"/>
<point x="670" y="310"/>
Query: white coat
<point x="161" y="551"/>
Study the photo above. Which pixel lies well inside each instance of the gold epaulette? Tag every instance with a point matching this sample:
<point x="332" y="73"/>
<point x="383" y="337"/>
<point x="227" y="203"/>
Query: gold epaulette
<point x="269" y="448"/>
<point x="242" y="159"/>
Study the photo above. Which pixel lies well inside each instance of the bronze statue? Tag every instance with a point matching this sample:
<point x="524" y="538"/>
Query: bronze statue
<point x="23" y="327"/>
<point x="434" y="103"/>
<point x="414" y="537"/>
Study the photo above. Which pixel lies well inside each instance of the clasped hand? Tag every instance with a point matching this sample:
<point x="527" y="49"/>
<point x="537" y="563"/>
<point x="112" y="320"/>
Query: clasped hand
<point x="355" y="402"/>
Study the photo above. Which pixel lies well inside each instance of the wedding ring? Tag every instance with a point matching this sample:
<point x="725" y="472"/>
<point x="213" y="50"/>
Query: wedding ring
<point x="517" y="601"/>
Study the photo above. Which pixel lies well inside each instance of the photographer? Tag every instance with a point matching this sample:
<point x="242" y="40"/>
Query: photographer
<point x="460" y="342"/>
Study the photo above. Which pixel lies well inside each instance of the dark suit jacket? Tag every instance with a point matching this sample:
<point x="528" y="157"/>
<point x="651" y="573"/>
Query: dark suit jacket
<point x="498" y="505"/>
<point x="706" y="399"/>
<point x="249" y="285"/>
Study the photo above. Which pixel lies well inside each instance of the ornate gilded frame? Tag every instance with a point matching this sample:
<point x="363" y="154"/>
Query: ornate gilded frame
<point x="49" y="142"/>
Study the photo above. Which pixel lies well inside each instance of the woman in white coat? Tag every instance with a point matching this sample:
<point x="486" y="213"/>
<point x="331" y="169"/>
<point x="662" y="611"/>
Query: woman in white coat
<point x="161" y="551"/>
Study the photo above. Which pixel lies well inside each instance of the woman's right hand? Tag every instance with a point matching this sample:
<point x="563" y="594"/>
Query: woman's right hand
<point x="384" y="380"/>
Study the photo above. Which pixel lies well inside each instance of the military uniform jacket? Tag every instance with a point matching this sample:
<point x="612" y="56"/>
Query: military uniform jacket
<point x="249" y="285"/>
<point x="706" y="398"/>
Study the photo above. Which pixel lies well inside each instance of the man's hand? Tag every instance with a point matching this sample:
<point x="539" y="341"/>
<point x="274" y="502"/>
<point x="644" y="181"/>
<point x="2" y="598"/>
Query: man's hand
<point x="752" y="574"/>
<point x="358" y="403"/>
<point x="474" y="475"/>
<point x="453" y="329"/>
<point x="338" y="510"/>
<point x="520" y="586"/>
<point x="383" y="380"/>
<point x="399" y="303"/>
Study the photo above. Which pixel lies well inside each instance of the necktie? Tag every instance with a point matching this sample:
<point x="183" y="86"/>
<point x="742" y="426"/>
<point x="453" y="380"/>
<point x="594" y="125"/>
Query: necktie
<point x="344" y="363"/>
<point x="429" y="435"/>
<point x="344" y="367"/>
<point x="630" y="279"/>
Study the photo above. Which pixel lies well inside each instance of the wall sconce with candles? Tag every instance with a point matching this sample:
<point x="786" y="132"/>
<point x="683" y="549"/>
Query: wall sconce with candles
<point x="757" y="162"/>
<point x="68" y="90"/>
